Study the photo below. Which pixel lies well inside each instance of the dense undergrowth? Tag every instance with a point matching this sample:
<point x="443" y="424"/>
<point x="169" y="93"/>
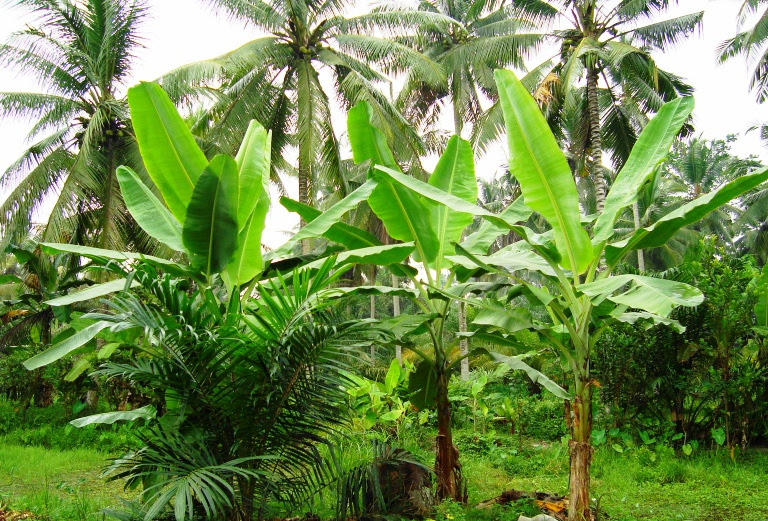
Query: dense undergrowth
<point x="54" y="471"/>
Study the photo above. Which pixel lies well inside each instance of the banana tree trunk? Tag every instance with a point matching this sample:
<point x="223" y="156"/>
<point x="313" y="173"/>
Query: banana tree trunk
<point x="595" y="139"/>
<point x="447" y="468"/>
<point x="580" y="449"/>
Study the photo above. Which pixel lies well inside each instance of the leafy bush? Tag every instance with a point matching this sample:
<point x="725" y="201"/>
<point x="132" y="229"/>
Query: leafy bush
<point x="712" y="376"/>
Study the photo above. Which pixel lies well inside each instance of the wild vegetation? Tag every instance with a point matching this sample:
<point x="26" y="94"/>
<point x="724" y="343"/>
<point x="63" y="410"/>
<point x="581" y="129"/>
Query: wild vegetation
<point x="431" y="345"/>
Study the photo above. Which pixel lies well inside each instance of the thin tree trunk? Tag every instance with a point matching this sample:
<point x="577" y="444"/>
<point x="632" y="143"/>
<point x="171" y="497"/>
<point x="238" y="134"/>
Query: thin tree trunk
<point x="247" y="492"/>
<point x="463" y="344"/>
<point x="396" y="313"/>
<point x="640" y="255"/>
<point x="373" y="310"/>
<point x="447" y="469"/>
<point x="580" y="452"/>
<point x="305" y="145"/>
<point x="596" y="142"/>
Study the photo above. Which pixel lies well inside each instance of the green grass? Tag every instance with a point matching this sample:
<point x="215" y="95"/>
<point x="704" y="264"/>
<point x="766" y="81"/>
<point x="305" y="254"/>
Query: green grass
<point x="639" y="485"/>
<point x="56" y="485"/>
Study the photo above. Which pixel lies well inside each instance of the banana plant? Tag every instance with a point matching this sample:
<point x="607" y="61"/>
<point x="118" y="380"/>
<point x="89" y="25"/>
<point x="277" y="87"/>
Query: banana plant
<point x="581" y="296"/>
<point x="429" y="228"/>
<point x="211" y="212"/>
<point x="576" y="257"/>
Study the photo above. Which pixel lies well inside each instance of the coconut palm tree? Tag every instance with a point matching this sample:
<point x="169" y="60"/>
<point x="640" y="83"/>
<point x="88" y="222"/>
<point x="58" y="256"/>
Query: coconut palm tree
<point x="81" y="53"/>
<point x="751" y="43"/>
<point x="483" y="35"/>
<point x="279" y="79"/>
<point x="603" y="82"/>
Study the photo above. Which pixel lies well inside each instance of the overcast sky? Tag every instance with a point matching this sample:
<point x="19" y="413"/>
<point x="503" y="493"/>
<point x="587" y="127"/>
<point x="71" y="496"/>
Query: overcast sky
<point x="182" y="31"/>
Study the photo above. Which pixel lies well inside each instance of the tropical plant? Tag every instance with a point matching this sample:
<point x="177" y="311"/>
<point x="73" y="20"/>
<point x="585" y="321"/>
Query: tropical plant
<point x="481" y="37"/>
<point x="250" y="385"/>
<point x="750" y="43"/>
<point x="275" y="79"/>
<point x="81" y="52"/>
<point x="604" y="81"/>
<point x="27" y="317"/>
<point x="582" y="297"/>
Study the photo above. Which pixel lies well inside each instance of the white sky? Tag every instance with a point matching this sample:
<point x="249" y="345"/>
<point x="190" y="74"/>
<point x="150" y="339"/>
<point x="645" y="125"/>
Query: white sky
<point x="182" y="31"/>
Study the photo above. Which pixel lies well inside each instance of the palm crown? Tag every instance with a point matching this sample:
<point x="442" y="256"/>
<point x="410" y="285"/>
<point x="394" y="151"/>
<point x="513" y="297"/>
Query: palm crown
<point x="603" y="80"/>
<point x="81" y="53"/>
<point x="276" y="79"/>
<point x="482" y="36"/>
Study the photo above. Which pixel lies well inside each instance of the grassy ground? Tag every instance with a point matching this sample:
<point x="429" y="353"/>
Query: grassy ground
<point x="56" y="485"/>
<point x="638" y="485"/>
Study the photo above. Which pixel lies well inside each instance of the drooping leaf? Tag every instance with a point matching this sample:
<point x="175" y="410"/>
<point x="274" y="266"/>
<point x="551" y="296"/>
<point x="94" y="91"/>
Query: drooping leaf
<point x="210" y="230"/>
<point x="648" y="152"/>
<point x="92" y="292"/>
<point x="168" y="149"/>
<point x="151" y="214"/>
<point x="654" y="295"/>
<point x="320" y="225"/>
<point x="66" y="346"/>
<point x="649" y="320"/>
<point x="368" y="142"/>
<point x="536" y="161"/>
<point x="147" y="412"/>
<point x="662" y="230"/>
<point x="509" y="320"/>
<point x="101" y="255"/>
<point x="405" y="216"/>
<point x="539" y="242"/>
<point x="379" y="255"/>
<point x="480" y="241"/>
<point x="455" y="175"/>
<point x="516" y="363"/>
<point x="512" y="261"/>
<point x="375" y="290"/>
<point x="422" y="385"/>
<point x="403" y="327"/>
<point x="343" y="233"/>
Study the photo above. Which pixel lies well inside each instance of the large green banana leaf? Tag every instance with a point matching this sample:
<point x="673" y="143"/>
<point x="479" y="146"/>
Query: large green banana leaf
<point x="332" y="216"/>
<point x="253" y="165"/>
<point x="662" y="230"/>
<point x="66" y="346"/>
<point x="210" y="231"/>
<point x="148" y="211"/>
<point x="92" y="292"/>
<point x="654" y="295"/>
<point x="536" y="161"/>
<point x="651" y="148"/>
<point x="343" y="233"/>
<point x="405" y="216"/>
<point x="168" y="149"/>
<point x="480" y="241"/>
<point x="454" y="174"/>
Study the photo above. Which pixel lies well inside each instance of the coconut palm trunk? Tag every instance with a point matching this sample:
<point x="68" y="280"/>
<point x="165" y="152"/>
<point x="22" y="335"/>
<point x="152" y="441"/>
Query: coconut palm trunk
<point x="596" y="143"/>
